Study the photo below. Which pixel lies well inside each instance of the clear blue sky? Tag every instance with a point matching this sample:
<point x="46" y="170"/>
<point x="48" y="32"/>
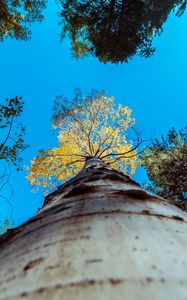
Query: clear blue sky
<point x="40" y="69"/>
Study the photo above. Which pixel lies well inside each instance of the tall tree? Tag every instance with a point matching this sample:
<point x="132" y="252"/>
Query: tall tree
<point x="91" y="126"/>
<point x="99" y="235"/>
<point x="115" y="30"/>
<point x="166" y="164"/>
<point x="11" y="144"/>
<point x="16" y="17"/>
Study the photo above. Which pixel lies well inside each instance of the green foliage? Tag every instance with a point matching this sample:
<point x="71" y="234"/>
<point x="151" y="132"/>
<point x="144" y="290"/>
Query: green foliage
<point x="166" y="164"/>
<point x="16" y="17"/>
<point x="115" y="30"/>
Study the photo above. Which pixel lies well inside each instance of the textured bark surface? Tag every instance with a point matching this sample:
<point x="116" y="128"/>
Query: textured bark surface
<point x="100" y="236"/>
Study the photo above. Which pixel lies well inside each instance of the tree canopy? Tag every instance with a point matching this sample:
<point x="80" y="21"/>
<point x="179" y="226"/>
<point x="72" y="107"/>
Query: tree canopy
<point x="115" y="30"/>
<point x="166" y="164"/>
<point x="91" y="126"/>
<point x="16" y="17"/>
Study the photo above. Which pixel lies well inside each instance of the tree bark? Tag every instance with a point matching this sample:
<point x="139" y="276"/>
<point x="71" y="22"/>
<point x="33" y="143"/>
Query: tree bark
<point x="99" y="236"/>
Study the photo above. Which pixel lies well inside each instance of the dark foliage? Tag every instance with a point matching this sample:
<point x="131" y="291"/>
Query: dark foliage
<point x="115" y="30"/>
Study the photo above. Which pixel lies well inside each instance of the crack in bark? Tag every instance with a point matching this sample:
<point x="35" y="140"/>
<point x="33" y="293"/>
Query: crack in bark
<point x="33" y="263"/>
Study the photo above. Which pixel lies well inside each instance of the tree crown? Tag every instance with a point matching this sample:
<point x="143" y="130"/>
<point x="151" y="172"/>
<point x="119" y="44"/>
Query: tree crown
<point x="90" y="126"/>
<point x="116" y="30"/>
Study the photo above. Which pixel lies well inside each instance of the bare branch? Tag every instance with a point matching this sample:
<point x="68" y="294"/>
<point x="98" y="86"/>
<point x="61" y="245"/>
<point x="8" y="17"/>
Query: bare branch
<point x="8" y="133"/>
<point x="104" y="141"/>
<point x="126" y="157"/>
<point x="119" y="154"/>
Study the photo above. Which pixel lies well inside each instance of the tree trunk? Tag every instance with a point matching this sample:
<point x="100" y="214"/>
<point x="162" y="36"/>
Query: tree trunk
<point x="99" y="236"/>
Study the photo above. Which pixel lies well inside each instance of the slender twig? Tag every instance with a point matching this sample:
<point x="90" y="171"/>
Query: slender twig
<point x="126" y="157"/>
<point x="9" y="131"/>
<point x="11" y="206"/>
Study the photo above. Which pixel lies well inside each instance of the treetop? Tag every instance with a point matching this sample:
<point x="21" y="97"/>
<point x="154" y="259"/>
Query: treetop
<point x="91" y="126"/>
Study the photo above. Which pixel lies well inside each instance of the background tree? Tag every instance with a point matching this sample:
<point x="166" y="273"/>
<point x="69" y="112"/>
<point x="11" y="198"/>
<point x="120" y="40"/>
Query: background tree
<point x="166" y="164"/>
<point x="11" y="144"/>
<point x="90" y="126"/>
<point x="114" y="31"/>
<point x="16" y="17"/>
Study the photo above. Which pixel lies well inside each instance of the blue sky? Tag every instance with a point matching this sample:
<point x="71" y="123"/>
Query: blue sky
<point x="40" y="69"/>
